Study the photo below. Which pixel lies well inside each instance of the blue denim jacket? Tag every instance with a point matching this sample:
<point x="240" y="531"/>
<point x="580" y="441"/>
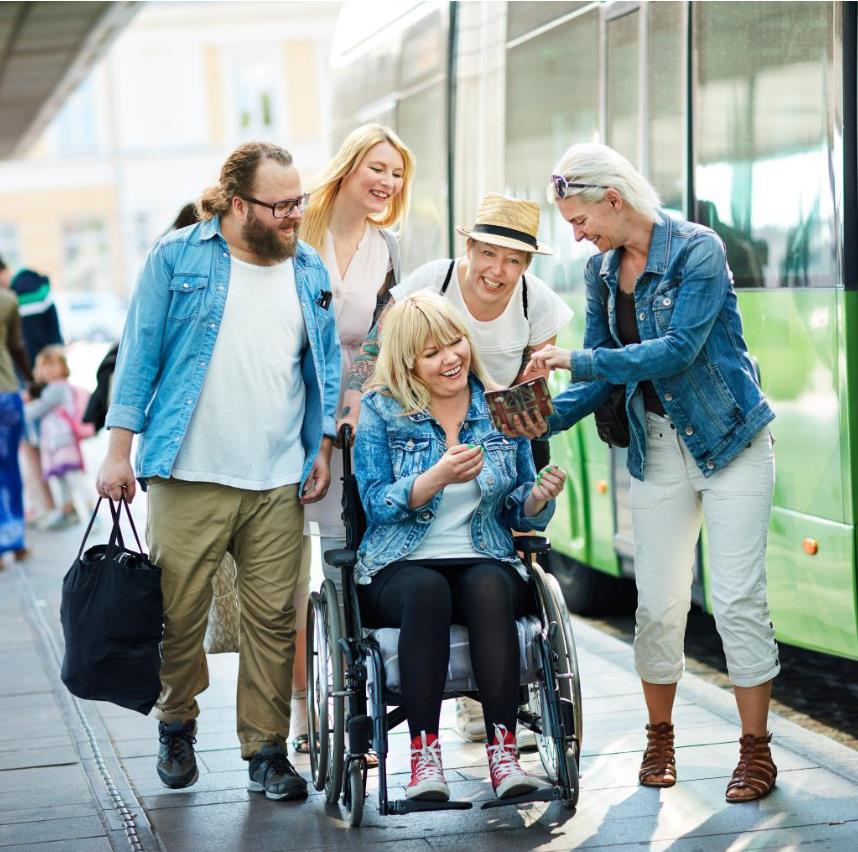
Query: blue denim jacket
<point x="691" y="349"/>
<point x="392" y="449"/>
<point x="170" y="333"/>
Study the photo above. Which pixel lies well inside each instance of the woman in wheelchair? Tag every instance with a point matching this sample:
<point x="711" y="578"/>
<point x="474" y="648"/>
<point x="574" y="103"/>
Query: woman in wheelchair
<point x="441" y="488"/>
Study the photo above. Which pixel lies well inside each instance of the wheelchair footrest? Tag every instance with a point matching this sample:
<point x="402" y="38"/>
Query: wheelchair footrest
<point x="543" y="794"/>
<point x="407" y="806"/>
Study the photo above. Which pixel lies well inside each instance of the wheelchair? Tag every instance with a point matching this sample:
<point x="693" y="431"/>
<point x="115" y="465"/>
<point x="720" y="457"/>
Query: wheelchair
<point x="352" y="677"/>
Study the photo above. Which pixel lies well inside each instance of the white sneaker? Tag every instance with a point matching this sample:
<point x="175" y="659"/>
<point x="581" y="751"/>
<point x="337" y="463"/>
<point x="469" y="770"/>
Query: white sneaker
<point x="525" y="739"/>
<point x="470" y="724"/>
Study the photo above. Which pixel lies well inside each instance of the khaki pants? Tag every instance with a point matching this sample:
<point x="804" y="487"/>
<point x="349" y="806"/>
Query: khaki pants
<point x="191" y="525"/>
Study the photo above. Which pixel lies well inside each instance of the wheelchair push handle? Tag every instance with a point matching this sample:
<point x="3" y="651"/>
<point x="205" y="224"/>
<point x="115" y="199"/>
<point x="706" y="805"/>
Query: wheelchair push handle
<point x="346" y="441"/>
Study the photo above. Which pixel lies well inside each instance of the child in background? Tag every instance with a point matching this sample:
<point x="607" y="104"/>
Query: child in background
<point x="56" y="418"/>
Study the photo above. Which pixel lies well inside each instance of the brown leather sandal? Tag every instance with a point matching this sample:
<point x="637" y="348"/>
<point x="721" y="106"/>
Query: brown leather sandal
<point x="755" y="775"/>
<point x="658" y="767"/>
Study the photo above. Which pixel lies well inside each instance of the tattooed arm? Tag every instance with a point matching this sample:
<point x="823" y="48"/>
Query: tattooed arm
<point x="361" y="372"/>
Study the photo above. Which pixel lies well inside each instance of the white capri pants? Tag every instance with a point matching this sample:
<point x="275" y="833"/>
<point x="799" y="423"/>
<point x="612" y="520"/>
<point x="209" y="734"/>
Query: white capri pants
<point x="667" y="510"/>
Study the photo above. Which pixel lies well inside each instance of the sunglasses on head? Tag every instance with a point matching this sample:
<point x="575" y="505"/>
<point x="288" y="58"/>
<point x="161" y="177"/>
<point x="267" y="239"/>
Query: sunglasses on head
<point x="562" y="186"/>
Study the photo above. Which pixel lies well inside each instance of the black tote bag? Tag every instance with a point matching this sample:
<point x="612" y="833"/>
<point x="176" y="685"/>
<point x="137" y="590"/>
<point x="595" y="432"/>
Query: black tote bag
<point x="112" y="614"/>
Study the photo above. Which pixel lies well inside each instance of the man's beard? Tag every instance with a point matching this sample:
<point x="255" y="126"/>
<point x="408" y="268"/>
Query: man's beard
<point x="266" y="242"/>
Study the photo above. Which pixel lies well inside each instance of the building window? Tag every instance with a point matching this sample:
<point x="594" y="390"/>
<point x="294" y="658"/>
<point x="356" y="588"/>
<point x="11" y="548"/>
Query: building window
<point x="76" y="126"/>
<point x="255" y="98"/>
<point x="9" y="249"/>
<point x="86" y="258"/>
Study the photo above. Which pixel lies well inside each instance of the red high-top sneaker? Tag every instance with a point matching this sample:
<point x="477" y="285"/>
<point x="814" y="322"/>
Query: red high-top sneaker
<point x="508" y="778"/>
<point x="427" y="773"/>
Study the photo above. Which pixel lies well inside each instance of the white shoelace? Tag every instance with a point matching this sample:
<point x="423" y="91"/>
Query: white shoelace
<point x="502" y="757"/>
<point x="428" y="766"/>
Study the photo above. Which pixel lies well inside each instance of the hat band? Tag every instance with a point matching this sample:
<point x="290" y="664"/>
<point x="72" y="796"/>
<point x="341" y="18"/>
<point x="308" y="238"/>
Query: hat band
<point x="499" y="231"/>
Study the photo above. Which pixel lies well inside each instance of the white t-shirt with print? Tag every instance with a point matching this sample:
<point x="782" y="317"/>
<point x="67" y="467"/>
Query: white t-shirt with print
<point x="500" y="342"/>
<point x="245" y="431"/>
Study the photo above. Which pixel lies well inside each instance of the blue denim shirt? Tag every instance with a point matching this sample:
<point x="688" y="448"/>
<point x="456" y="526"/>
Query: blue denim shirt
<point x="170" y="333"/>
<point x="392" y="449"/>
<point x="691" y="349"/>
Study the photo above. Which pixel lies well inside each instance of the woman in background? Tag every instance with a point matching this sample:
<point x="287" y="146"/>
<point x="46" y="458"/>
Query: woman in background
<point x="361" y="193"/>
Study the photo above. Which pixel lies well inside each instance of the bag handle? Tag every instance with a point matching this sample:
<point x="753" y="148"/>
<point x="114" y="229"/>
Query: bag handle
<point x="116" y="532"/>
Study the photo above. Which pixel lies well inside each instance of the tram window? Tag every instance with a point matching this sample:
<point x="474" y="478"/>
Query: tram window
<point x="422" y="125"/>
<point x="665" y="106"/>
<point x="521" y="17"/>
<point x="765" y="86"/>
<point x="565" y="62"/>
<point x="425" y="52"/>
<point x="623" y="88"/>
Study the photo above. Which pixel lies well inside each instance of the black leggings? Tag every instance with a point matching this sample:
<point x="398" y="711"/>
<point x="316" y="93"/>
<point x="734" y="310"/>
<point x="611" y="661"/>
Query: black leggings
<point x="423" y="599"/>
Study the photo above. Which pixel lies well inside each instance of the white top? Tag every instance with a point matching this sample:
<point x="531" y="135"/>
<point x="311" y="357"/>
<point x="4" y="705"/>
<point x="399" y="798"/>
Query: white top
<point x="449" y="535"/>
<point x="354" y="303"/>
<point x="500" y="342"/>
<point x="246" y="429"/>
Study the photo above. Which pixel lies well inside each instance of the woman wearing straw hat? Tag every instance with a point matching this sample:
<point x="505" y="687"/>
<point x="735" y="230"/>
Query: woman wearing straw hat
<point x="361" y="193"/>
<point x="510" y="315"/>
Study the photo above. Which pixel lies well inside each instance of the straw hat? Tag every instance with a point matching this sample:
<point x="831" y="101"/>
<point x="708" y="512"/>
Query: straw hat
<point x="508" y="222"/>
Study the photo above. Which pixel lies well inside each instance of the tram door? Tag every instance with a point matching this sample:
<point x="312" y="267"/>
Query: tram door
<point x="644" y="117"/>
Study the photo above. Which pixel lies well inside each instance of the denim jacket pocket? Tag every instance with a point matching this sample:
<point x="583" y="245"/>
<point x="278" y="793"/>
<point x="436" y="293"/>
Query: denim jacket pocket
<point x="502" y="453"/>
<point x="186" y="296"/>
<point x="408" y="455"/>
<point x="663" y="303"/>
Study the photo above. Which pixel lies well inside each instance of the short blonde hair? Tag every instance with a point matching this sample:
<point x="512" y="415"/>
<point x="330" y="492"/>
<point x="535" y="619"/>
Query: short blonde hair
<point x="52" y="354"/>
<point x="403" y="337"/>
<point x="325" y="187"/>
<point x="603" y="166"/>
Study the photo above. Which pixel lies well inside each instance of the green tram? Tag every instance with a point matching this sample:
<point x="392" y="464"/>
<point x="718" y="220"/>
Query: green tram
<point x="743" y="115"/>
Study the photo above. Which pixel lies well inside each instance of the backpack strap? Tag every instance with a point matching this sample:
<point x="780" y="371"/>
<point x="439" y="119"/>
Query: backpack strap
<point x="446" y="283"/>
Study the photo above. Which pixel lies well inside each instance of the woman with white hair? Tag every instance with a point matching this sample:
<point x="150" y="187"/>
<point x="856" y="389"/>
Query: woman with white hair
<point x="663" y="320"/>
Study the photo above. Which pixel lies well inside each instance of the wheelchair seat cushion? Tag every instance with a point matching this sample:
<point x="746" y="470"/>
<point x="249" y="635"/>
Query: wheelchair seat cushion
<point x="460" y="675"/>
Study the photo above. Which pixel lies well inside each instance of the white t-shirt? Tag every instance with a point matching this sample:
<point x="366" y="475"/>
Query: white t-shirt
<point x="500" y="342"/>
<point x="246" y="429"/>
<point x="449" y="533"/>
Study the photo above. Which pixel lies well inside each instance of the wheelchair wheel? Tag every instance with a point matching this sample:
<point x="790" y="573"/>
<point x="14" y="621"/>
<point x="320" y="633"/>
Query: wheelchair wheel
<point x="568" y="682"/>
<point x="325" y="703"/>
<point x="355" y="797"/>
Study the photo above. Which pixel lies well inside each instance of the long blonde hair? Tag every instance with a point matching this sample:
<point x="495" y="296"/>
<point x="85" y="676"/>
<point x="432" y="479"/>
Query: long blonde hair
<point x="403" y="337"/>
<point x="325" y="187"/>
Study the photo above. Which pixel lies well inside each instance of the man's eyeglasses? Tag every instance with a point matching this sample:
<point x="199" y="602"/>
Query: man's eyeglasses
<point x="281" y="209"/>
<point x="562" y="186"/>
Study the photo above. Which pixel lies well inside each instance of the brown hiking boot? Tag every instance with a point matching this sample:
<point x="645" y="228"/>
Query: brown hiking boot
<point x="658" y="767"/>
<point x="755" y="775"/>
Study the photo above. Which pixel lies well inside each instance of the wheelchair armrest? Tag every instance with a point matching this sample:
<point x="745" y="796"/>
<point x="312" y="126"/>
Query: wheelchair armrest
<point x="343" y="558"/>
<point x="531" y="545"/>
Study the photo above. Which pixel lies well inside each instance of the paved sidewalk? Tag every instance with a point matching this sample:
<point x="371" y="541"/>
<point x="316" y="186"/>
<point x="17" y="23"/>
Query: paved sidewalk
<point x="54" y="791"/>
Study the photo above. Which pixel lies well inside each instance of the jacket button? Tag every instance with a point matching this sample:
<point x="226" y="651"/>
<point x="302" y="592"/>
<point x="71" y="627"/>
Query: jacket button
<point x="710" y="465"/>
<point x="426" y="516"/>
<point x="668" y="397"/>
<point x="490" y="480"/>
<point x="185" y="285"/>
<point x="667" y="303"/>
<point x="641" y="315"/>
<point x="689" y="430"/>
<point x="410" y="444"/>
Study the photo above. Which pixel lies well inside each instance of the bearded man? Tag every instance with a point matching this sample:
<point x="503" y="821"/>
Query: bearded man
<point x="229" y="372"/>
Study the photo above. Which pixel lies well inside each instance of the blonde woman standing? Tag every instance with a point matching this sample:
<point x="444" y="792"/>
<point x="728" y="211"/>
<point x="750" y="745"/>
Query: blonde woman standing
<point x="360" y="194"/>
